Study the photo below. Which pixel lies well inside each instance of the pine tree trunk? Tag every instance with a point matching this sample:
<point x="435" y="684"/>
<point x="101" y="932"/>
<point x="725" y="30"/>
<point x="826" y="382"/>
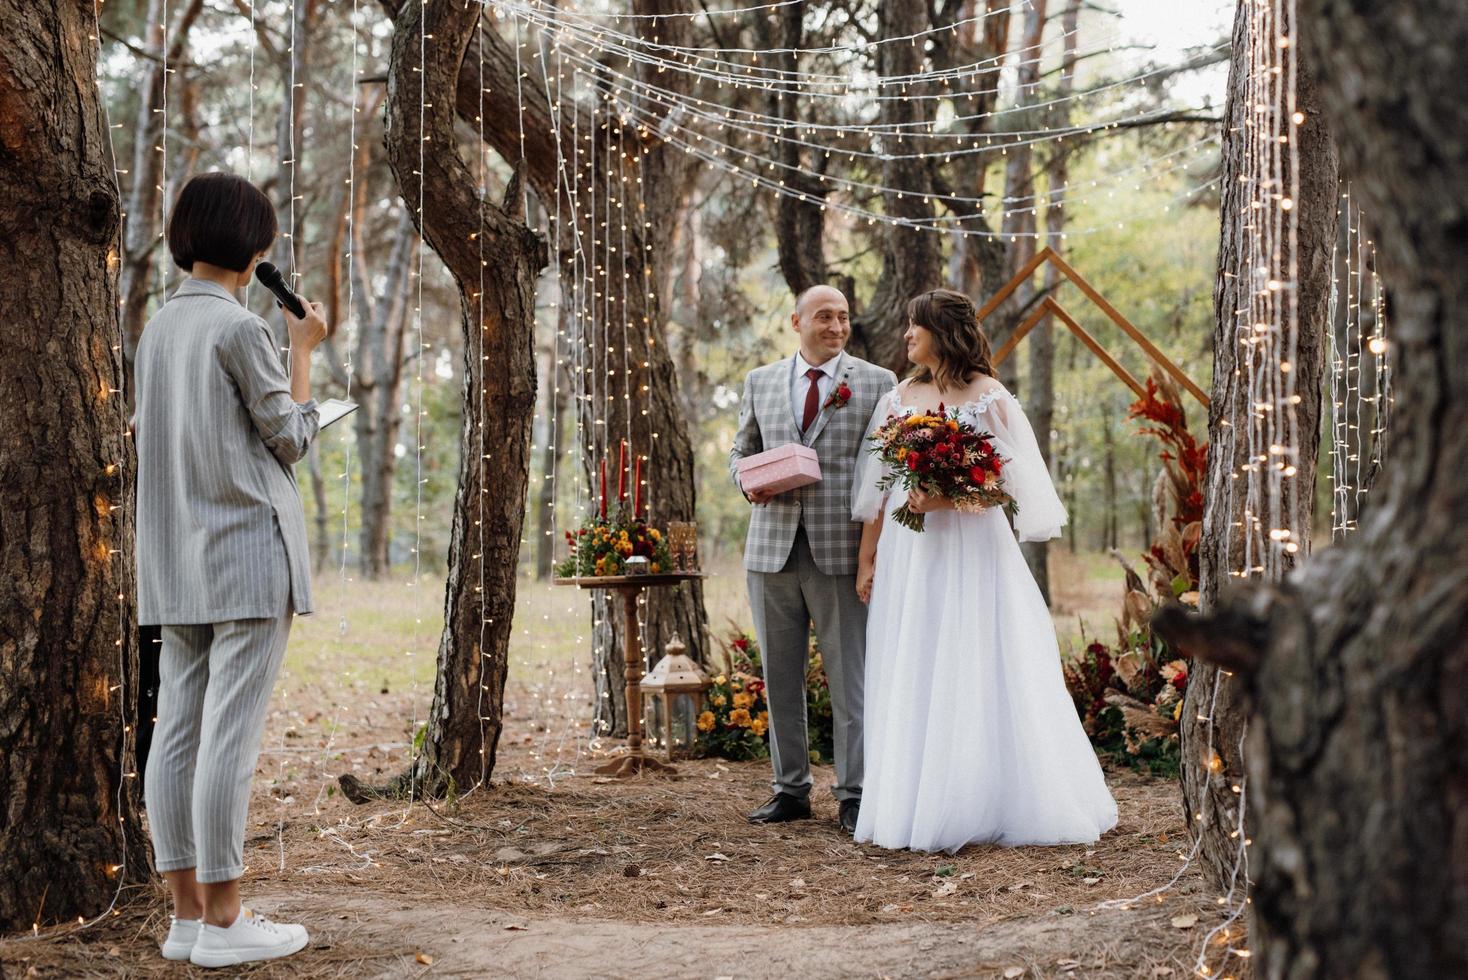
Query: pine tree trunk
<point x="378" y="364"/>
<point x="488" y="247"/>
<point x="1040" y="399"/>
<point x="1211" y="762"/>
<point x="658" y="427"/>
<point x="69" y="828"/>
<point x="141" y="222"/>
<point x="1356" y="666"/>
<point x="550" y="463"/>
<point x="912" y="261"/>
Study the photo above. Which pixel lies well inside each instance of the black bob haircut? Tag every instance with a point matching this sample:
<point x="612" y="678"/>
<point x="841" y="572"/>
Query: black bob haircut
<point x="221" y="219"/>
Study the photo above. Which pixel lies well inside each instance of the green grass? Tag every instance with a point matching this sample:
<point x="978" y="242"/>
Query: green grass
<point x="385" y="634"/>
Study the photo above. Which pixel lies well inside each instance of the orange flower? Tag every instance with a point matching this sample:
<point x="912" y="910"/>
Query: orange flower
<point x="758" y="726"/>
<point x="739" y="717"/>
<point x="706" y="721"/>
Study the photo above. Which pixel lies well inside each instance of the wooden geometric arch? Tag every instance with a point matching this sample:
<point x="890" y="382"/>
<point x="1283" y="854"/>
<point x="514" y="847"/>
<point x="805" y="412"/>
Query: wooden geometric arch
<point x="1049" y="306"/>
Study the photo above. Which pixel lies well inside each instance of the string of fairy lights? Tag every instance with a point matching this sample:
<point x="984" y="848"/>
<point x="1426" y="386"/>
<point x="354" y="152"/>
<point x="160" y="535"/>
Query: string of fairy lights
<point x="1359" y="386"/>
<point x="566" y="72"/>
<point x="583" y="339"/>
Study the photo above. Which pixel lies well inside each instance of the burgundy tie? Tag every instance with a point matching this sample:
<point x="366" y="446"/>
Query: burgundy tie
<point x="812" y="398"/>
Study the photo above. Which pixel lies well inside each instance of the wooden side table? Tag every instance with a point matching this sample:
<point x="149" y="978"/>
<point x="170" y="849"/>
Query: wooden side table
<point x="630" y="587"/>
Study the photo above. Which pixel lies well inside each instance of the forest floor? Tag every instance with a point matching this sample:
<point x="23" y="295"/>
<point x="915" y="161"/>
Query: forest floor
<point x="555" y="872"/>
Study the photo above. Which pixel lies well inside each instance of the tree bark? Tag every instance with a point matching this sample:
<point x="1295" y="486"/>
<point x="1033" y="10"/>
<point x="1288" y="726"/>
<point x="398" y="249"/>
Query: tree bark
<point x="1357" y="664"/>
<point x="142" y="232"/>
<point x="912" y="260"/>
<point x="659" y="430"/>
<point x="1212" y="763"/>
<point x="494" y="260"/>
<point x="550" y="460"/>
<point x="378" y="368"/>
<point x="1040" y="399"/>
<point x="799" y="221"/>
<point x="69" y="829"/>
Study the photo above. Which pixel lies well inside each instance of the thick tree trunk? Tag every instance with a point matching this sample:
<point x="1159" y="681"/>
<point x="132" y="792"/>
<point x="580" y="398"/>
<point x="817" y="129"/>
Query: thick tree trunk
<point x="485" y="247"/>
<point x="659" y="429"/>
<point x="1212" y="718"/>
<point x="1357" y="663"/>
<point x="69" y="828"/>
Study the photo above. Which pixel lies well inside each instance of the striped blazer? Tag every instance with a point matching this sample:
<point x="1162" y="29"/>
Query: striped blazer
<point x="219" y="514"/>
<point x="766" y="420"/>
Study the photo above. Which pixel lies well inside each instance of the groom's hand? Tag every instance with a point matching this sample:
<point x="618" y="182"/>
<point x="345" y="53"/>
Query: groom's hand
<point x="761" y="496"/>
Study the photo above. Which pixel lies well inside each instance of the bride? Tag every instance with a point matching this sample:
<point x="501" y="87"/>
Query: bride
<point x="971" y="736"/>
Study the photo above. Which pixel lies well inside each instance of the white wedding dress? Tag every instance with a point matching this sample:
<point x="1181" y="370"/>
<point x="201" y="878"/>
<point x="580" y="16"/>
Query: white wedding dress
<point x="970" y="734"/>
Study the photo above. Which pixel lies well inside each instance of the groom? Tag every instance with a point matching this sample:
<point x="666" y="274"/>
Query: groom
<point x="800" y="554"/>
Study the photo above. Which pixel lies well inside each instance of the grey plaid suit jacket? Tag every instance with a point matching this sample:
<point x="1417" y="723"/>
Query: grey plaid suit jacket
<point x="767" y="420"/>
<point x="219" y="517"/>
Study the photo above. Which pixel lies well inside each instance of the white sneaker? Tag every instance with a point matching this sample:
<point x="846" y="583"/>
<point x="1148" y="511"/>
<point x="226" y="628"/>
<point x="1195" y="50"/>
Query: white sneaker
<point x="249" y="938"/>
<point x="182" y="934"/>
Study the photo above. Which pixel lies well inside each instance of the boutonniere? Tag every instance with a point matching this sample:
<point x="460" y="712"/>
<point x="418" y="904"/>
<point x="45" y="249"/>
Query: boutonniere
<point x="839" y="397"/>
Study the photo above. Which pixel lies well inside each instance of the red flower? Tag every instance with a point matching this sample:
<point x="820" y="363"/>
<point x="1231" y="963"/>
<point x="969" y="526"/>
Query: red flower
<point x="839" y="397"/>
<point x="976" y="473"/>
<point x="914" y="460"/>
<point x="740" y="644"/>
<point x="1180" y="680"/>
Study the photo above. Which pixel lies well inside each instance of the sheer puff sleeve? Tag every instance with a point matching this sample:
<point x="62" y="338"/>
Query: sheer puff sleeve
<point x="1040" y="514"/>
<point x="867" y="499"/>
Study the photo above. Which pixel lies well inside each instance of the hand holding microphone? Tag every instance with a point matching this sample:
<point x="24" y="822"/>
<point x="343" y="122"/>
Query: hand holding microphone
<point x="306" y="321"/>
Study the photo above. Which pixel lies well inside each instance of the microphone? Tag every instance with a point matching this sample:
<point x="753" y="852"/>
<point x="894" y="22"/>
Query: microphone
<point x="272" y="280"/>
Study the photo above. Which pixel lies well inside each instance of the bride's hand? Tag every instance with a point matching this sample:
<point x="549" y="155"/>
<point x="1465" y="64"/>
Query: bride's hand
<point x="920" y="502"/>
<point x="865" y="575"/>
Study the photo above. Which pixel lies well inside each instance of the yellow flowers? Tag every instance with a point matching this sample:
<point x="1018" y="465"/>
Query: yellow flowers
<point x="656" y="534"/>
<point x="742" y="700"/>
<point x="740" y="717"/>
<point x="706" y="721"/>
<point x="759" y="725"/>
<point x="718" y="701"/>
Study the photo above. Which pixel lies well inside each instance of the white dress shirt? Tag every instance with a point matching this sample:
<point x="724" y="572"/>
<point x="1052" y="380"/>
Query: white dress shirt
<point x="800" y="384"/>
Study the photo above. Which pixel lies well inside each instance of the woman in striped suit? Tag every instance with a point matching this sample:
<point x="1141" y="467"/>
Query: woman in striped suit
<point x="222" y="555"/>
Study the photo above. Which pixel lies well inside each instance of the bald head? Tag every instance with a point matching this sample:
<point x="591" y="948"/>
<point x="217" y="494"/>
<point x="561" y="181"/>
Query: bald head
<point x="822" y="320"/>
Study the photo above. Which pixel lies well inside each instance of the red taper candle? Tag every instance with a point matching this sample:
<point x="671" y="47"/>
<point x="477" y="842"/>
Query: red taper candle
<point x="637" y="490"/>
<point x="604" y="487"/>
<point x="622" y="472"/>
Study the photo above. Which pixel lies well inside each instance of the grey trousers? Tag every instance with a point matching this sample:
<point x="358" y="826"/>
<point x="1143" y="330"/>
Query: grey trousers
<point x="214" y="688"/>
<point x="785" y="604"/>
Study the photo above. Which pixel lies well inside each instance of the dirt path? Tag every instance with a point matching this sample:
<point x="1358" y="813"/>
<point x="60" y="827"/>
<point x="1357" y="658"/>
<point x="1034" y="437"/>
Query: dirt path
<point x="398" y="939"/>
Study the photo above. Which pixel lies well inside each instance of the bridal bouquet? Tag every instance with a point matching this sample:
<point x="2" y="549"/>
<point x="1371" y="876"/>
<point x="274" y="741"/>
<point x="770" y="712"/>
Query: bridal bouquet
<point x="939" y="454"/>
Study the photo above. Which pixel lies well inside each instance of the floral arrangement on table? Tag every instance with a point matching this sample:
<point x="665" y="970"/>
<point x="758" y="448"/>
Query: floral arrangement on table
<point x="1129" y="695"/>
<point x="602" y="545"/>
<point x="939" y="454"/>
<point x="736" y="719"/>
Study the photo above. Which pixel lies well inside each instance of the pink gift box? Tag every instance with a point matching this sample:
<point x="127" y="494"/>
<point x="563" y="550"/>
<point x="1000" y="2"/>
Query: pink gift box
<point x="782" y="468"/>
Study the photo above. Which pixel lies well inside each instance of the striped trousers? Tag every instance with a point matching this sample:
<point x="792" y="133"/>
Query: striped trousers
<point x="214" y="688"/>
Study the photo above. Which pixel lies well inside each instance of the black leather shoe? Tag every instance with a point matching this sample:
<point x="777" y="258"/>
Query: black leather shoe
<point x="850" y="810"/>
<point x="782" y="807"/>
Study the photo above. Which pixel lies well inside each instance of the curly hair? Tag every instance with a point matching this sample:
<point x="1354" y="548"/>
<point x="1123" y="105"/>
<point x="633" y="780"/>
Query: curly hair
<point x="963" y="349"/>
